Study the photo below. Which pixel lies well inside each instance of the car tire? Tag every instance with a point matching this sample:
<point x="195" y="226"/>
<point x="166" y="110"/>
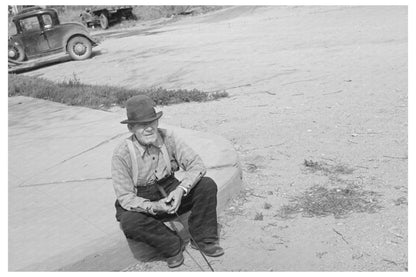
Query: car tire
<point x="19" y="53"/>
<point x="103" y="21"/>
<point x="79" y="48"/>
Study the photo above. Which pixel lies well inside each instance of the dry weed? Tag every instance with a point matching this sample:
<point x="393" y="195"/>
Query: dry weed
<point x="339" y="202"/>
<point x="327" y="169"/>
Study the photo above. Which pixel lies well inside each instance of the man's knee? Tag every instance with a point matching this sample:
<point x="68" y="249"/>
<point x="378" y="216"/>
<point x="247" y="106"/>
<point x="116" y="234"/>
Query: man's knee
<point x="207" y="185"/>
<point x="130" y="223"/>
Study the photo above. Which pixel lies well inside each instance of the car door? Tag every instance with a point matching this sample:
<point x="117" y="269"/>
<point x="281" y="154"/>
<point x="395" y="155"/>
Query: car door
<point x="52" y="32"/>
<point x="33" y="37"/>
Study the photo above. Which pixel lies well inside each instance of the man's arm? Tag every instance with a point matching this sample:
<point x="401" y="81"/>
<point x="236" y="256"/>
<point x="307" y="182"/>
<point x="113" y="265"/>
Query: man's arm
<point x="124" y="188"/>
<point x="190" y="162"/>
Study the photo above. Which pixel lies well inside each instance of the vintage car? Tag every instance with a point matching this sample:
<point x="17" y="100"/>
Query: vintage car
<point x="39" y="33"/>
<point x="105" y="15"/>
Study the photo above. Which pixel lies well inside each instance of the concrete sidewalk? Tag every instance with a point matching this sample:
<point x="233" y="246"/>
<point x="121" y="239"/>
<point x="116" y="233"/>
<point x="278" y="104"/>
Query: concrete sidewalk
<point x="61" y="214"/>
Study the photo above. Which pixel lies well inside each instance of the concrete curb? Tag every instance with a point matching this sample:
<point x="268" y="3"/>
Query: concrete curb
<point x="67" y="221"/>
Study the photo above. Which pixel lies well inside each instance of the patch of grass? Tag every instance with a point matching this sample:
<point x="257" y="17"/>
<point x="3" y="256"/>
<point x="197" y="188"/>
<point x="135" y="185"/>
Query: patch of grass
<point x="73" y="92"/>
<point x="326" y="168"/>
<point x="258" y="216"/>
<point x="319" y="201"/>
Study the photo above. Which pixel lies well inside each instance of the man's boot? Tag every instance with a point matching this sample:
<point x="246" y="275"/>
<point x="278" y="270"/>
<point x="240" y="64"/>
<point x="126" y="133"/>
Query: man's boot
<point x="177" y="259"/>
<point x="212" y="249"/>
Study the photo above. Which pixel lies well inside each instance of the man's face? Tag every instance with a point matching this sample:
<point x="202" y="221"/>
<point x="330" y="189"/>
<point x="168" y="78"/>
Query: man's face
<point x="146" y="133"/>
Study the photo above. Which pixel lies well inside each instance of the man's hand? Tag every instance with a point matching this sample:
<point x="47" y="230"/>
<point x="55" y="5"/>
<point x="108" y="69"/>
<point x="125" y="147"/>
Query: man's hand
<point x="159" y="207"/>
<point x="174" y="200"/>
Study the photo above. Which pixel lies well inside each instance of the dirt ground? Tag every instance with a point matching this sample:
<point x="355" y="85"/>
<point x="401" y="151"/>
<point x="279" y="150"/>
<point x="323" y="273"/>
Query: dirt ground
<point x="321" y="86"/>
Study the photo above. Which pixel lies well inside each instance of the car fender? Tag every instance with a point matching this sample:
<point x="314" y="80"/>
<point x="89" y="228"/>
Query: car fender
<point x="66" y="39"/>
<point x="14" y="41"/>
<point x="15" y="44"/>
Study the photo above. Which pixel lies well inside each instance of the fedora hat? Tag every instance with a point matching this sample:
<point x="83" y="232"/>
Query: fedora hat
<point x="140" y="109"/>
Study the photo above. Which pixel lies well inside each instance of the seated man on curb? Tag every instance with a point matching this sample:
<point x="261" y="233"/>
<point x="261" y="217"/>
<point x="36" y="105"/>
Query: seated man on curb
<point x="142" y="164"/>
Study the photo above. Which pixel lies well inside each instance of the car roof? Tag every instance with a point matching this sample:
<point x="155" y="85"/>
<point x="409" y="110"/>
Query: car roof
<point x="28" y="12"/>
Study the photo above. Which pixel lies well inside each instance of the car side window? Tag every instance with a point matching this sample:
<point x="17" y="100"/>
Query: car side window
<point x="47" y="21"/>
<point x="30" y="24"/>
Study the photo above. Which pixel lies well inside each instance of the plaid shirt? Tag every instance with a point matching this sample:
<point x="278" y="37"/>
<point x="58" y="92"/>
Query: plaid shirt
<point x="152" y="167"/>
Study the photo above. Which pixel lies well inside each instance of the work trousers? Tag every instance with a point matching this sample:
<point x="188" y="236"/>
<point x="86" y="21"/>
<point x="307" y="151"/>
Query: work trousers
<point x="201" y="201"/>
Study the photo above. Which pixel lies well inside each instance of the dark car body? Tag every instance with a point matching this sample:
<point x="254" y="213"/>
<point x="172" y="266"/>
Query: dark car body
<point x="39" y="33"/>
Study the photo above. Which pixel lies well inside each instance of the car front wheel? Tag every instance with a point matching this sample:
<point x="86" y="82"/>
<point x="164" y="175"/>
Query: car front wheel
<point x="79" y="48"/>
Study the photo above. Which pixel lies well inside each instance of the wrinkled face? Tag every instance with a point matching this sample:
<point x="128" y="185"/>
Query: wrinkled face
<point x="146" y="133"/>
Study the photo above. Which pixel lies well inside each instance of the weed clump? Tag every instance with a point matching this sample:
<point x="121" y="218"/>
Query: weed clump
<point x="319" y="201"/>
<point x="258" y="216"/>
<point x="326" y="168"/>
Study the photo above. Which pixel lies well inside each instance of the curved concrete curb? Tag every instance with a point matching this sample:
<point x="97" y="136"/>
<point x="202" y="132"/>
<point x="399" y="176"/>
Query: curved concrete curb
<point x="61" y="172"/>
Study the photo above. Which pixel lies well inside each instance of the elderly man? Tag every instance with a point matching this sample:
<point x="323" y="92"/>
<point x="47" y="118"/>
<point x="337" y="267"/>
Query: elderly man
<point x="142" y="165"/>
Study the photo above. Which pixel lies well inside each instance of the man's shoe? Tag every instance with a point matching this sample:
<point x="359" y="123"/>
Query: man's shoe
<point x="178" y="259"/>
<point x="212" y="249"/>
